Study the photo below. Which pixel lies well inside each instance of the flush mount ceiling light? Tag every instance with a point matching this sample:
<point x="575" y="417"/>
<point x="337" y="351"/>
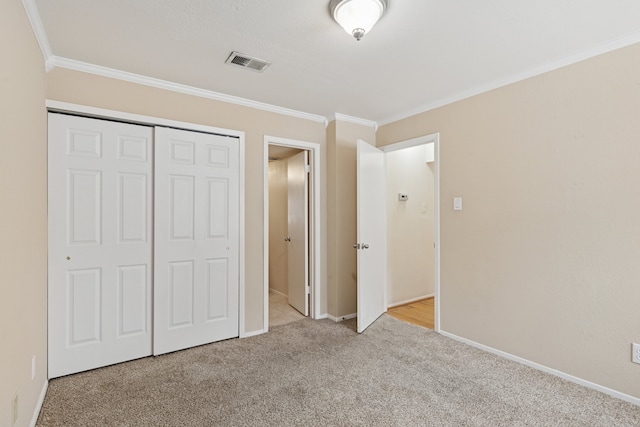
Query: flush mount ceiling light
<point x="357" y="17"/>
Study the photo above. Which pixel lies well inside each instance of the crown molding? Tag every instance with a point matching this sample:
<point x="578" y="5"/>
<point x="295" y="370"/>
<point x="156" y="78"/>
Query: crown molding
<point x="38" y="30"/>
<point x="356" y="120"/>
<point x="72" y="64"/>
<point x="569" y="60"/>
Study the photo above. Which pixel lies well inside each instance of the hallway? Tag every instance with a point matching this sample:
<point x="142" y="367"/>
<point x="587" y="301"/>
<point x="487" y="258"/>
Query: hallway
<point x="419" y="313"/>
<point x="280" y="312"/>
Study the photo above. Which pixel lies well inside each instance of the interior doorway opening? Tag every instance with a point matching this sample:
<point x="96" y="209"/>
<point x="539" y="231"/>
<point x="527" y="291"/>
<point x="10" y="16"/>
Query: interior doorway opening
<point x="291" y="227"/>
<point x="425" y="215"/>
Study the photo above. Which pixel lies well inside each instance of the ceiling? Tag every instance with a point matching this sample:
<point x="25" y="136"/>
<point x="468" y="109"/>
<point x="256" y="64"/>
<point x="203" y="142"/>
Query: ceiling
<point x="279" y="152"/>
<point x="422" y="53"/>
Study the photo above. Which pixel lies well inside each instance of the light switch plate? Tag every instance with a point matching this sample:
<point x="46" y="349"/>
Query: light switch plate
<point x="457" y="203"/>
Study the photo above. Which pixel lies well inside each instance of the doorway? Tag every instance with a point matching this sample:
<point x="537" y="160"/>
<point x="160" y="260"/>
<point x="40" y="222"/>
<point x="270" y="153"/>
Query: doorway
<point x="288" y="235"/>
<point x="413" y="225"/>
<point x="291" y="230"/>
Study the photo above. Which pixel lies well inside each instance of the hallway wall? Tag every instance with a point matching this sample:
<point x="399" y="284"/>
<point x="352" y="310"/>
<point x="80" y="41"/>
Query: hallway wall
<point x="410" y="225"/>
<point x="278" y="226"/>
<point x="341" y="205"/>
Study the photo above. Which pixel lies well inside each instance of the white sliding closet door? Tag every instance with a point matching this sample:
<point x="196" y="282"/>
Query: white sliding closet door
<point x="196" y="239"/>
<point x="99" y="189"/>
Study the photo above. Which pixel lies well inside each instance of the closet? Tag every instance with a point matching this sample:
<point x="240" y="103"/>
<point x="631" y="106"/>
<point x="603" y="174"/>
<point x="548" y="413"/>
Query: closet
<point x="143" y="241"/>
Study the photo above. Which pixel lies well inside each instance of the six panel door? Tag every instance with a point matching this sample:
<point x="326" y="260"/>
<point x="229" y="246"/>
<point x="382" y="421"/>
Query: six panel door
<point x="100" y="243"/>
<point x="196" y="237"/>
<point x="371" y="214"/>
<point x="298" y="227"/>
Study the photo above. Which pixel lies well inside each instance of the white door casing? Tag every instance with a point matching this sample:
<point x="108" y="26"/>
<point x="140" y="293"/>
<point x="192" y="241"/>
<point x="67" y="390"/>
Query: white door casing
<point x="298" y="231"/>
<point x="371" y="234"/>
<point x="317" y="283"/>
<point x="100" y="243"/>
<point x="196" y="239"/>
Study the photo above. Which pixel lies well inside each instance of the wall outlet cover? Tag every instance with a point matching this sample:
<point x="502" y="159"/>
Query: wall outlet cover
<point x="14" y="410"/>
<point x="635" y="353"/>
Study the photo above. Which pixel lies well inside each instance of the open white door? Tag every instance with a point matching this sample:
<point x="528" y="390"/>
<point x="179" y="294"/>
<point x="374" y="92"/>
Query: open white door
<point x="372" y="235"/>
<point x="196" y="272"/>
<point x="298" y="226"/>
<point x="99" y="295"/>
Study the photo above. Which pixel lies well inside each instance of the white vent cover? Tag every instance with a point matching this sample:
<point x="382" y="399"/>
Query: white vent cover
<point x="246" y="61"/>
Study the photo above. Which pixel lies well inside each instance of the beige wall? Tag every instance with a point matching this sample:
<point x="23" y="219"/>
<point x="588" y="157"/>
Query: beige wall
<point x="341" y="151"/>
<point x="23" y="216"/>
<point x="410" y="225"/>
<point x="278" y="227"/>
<point x="88" y="89"/>
<point x="332" y="219"/>
<point x="543" y="262"/>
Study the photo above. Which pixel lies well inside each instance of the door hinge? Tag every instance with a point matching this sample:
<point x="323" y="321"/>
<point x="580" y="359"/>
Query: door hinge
<point x="307" y="168"/>
<point x="308" y="290"/>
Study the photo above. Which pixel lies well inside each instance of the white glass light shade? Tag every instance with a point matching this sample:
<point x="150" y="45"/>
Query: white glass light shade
<point x="357" y="17"/>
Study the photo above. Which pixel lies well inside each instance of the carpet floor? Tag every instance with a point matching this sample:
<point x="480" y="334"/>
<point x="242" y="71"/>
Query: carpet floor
<point x="321" y="373"/>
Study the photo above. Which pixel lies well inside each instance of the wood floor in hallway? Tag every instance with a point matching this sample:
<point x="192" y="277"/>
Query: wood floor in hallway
<point x="419" y="313"/>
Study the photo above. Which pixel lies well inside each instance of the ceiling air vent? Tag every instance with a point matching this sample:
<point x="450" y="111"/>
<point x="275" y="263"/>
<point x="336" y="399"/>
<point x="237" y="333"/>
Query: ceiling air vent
<point x="246" y="61"/>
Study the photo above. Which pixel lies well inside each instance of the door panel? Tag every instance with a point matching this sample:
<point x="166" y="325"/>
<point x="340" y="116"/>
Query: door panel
<point x="99" y="286"/>
<point x="298" y="229"/>
<point x="182" y="208"/>
<point x="196" y="239"/>
<point x="218" y="209"/>
<point x="132" y="298"/>
<point x="372" y="234"/>
<point x="217" y="298"/>
<point x="84" y="212"/>
<point x="132" y="208"/>
<point x="181" y="294"/>
<point x="84" y="306"/>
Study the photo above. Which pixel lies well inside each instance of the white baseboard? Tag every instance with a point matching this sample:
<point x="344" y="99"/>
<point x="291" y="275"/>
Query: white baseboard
<point x="322" y="316"/>
<point x="278" y="292"/>
<point x="342" y="318"/>
<point x="409" y="301"/>
<point x="539" y="367"/>
<point x="36" y="412"/>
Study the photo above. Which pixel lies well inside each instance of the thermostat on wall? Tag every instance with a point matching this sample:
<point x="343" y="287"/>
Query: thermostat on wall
<point x="403" y="197"/>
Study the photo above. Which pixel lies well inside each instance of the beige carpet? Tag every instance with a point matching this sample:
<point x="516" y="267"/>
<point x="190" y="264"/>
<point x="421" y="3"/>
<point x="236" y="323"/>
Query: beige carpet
<point x="319" y="373"/>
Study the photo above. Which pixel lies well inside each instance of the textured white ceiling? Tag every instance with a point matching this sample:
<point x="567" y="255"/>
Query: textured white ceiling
<point x="422" y="53"/>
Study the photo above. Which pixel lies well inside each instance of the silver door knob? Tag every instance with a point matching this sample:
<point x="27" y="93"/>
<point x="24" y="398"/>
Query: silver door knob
<point x="365" y="246"/>
<point x="287" y="239"/>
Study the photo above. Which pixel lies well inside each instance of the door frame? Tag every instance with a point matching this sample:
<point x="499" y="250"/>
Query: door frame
<point x="423" y="140"/>
<point x="101" y="113"/>
<point x="315" y="264"/>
